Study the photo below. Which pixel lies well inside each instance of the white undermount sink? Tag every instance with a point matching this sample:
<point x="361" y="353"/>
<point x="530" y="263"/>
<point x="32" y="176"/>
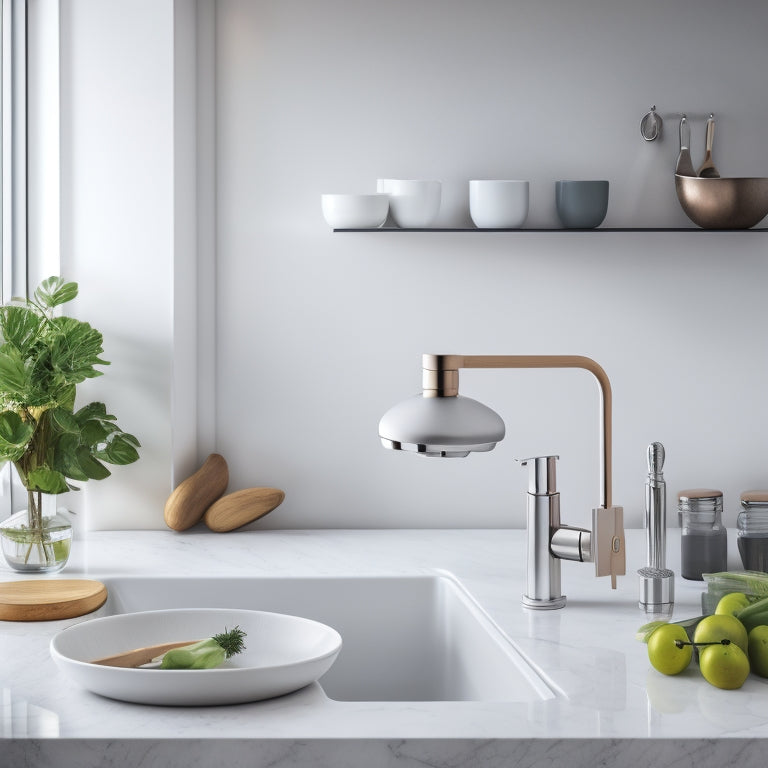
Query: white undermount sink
<point x="405" y="638"/>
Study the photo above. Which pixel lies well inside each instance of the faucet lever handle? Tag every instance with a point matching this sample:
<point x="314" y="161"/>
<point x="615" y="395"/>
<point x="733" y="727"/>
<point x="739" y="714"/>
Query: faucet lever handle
<point x="542" y="474"/>
<point x="608" y="542"/>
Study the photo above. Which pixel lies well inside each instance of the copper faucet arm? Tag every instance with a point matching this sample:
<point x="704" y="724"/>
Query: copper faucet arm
<point x="440" y="377"/>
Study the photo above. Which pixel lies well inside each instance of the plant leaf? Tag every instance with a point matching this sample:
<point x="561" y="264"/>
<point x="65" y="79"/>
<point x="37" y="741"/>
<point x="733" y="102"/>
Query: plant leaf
<point x="93" y="411"/>
<point x="66" y="397"/>
<point x="74" y="350"/>
<point x="94" y="432"/>
<point x="13" y="373"/>
<point x="14" y="435"/>
<point x="64" y="420"/>
<point x="93" y="468"/>
<point x="132" y="439"/>
<point x="55" y="291"/>
<point x="119" y="449"/>
<point x="20" y="327"/>
<point x="65" y="457"/>
<point x="47" y="480"/>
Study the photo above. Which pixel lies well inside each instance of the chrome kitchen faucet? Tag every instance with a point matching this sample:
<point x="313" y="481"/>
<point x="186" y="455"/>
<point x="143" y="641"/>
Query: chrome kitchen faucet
<point x="440" y="422"/>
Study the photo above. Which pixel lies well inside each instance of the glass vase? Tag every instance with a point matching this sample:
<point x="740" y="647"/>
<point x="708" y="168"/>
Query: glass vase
<point x="36" y="541"/>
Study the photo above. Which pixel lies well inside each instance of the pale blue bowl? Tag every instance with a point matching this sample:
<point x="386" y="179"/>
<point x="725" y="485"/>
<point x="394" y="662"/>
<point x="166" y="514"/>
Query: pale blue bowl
<point x="581" y="204"/>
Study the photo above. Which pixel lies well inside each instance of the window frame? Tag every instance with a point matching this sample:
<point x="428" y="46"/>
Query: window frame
<point x="30" y="231"/>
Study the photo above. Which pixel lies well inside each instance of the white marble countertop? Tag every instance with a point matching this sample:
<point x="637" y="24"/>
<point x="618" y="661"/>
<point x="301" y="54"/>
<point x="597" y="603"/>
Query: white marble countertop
<point x="608" y="698"/>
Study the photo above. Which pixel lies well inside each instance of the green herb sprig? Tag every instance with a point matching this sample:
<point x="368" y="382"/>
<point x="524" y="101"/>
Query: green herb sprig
<point x="232" y="641"/>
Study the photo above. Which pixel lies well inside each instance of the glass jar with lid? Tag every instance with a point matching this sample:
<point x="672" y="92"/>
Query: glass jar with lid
<point x="752" y="536"/>
<point x="703" y="538"/>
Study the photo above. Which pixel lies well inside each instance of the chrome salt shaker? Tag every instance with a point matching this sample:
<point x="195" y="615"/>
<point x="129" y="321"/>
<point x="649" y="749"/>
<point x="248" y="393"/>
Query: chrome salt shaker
<point x="703" y="538"/>
<point x="752" y="534"/>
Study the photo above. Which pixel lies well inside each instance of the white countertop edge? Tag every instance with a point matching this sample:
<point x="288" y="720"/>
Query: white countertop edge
<point x="378" y="753"/>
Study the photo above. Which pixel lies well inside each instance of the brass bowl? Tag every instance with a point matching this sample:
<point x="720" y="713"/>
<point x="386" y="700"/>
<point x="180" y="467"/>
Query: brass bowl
<point x="736" y="203"/>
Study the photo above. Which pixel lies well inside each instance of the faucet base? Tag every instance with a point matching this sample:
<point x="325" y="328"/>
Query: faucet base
<point x="544" y="605"/>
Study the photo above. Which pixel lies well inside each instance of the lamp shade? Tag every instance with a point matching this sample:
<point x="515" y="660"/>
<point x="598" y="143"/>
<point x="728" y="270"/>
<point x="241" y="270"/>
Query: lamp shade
<point x="441" y="426"/>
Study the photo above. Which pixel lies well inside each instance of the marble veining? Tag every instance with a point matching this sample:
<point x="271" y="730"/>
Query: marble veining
<point x="611" y="707"/>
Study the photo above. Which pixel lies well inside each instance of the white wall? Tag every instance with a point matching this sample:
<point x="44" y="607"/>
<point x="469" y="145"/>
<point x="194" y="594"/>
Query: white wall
<point x="319" y="333"/>
<point x="118" y="206"/>
<point x="316" y="334"/>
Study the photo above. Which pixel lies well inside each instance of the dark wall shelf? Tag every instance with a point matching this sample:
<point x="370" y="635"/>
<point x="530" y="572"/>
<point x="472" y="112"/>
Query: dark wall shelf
<point x="599" y="229"/>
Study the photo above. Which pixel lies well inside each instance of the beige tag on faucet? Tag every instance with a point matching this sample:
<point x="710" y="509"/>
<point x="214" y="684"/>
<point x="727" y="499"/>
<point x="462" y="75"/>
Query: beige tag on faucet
<point x="608" y="542"/>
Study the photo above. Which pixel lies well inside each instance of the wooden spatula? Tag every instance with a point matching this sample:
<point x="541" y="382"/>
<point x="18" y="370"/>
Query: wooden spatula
<point x="708" y="169"/>
<point x="139" y="656"/>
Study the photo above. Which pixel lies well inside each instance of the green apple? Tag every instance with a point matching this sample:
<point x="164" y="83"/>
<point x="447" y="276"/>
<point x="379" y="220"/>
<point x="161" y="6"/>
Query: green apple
<point x="732" y="603"/>
<point x="719" y="627"/>
<point x="758" y="650"/>
<point x="724" y="666"/>
<point x="669" y="650"/>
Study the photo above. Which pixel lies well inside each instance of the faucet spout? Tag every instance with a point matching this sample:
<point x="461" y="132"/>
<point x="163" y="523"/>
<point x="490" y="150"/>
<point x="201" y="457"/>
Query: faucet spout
<point x="441" y="379"/>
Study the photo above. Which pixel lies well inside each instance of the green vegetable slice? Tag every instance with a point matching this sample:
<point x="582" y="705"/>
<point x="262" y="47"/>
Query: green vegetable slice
<point x="206" y="654"/>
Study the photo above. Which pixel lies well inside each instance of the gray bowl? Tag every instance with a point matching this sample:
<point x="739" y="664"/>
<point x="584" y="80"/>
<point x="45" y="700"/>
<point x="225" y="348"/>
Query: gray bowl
<point x="725" y="203"/>
<point x="581" y="204"/>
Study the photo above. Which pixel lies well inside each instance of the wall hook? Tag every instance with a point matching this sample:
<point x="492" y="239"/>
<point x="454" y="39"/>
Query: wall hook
<point x="650" y="125"/>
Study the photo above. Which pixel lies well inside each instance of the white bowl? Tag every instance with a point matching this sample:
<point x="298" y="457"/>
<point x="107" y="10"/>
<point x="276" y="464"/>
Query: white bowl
<point x="355" y="211"/>
<point x="282" y="654"/>
<point x="498" y="203"/>
<point x="413" y="203"/>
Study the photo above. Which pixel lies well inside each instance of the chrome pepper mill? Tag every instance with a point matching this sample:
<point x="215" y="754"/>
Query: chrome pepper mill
<point x="656" y="581"/>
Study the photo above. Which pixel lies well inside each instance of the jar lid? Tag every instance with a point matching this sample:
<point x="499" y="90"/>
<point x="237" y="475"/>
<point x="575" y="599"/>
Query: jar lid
<point x="754" y="497"/>
<point x="699" y="493"/>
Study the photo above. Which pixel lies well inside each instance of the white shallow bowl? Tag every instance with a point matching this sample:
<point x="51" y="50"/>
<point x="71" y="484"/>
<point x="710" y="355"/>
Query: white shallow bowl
<point x="283" y="653"/>
<point x="348" y="211"/>
<point x="413" y="203"/>
<point x="498" y="203"/>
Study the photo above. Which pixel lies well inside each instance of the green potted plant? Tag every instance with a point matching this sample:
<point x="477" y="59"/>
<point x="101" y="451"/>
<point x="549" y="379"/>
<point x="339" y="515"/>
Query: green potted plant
<point x="43" y="357"/>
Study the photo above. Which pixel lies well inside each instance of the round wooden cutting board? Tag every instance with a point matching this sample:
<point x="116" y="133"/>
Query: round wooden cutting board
<point x="49" y="599"/>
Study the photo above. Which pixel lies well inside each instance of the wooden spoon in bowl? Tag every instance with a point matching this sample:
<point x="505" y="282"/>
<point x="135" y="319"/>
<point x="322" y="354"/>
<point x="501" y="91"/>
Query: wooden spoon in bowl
<point x="707" y="169"/>
<point x="139" y="656"/>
